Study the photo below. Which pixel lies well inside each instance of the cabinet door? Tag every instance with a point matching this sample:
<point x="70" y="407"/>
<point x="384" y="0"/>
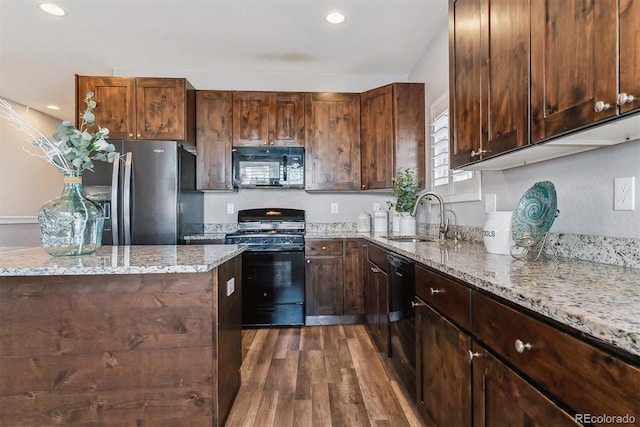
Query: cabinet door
<point x="229" y="335"/>
<point x="161" y="109"/>
<point x="324" y="281"/>
<point x="286" y="119"/>
<point x="353" y="278"/>
<point x="629" y="47"/>
<point x="377" y="138"/>
<point x="250" y="118"/>
<point x="332" y="126"/>
<point x="505" y="75"/>
<point x="371" y="296"/>
<point x="213" y="136"/>
<point x="502" y="398"/>
<point x="409" y="128"/>
<point x="573" y="64"/>
<point x="443" y="370"/>
<point x="465" y="59"/>
<point x="116" y="106"/>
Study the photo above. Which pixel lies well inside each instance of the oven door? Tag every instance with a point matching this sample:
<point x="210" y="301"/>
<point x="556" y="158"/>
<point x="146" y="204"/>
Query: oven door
<point x="272" y="288"/>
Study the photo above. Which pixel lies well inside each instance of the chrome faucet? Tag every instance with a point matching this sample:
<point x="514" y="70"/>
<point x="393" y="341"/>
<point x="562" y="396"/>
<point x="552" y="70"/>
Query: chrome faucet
<point x="444" y="226"/>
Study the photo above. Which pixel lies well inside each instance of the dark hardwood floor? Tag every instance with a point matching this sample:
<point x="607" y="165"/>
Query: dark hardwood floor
<point x="317" y="376"/>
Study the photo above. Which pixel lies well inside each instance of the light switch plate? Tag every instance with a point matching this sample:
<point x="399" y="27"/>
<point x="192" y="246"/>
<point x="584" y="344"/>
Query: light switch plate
<point x="490" y="202"/>
<point x="334" y="208"/>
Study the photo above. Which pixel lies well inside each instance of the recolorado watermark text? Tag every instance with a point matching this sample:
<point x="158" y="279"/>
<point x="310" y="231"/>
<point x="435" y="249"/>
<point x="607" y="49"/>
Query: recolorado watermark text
<point x="605" y="419"/>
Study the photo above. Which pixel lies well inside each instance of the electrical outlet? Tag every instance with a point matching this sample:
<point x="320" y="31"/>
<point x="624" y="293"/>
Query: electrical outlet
<point x="334" y="208"/>
<point x="624" y="194"/>
<point x="231" y="286"/>
<point x="230" y="209"/>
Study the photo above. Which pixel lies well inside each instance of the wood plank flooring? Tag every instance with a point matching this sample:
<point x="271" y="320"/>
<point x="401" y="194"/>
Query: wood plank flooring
<point x="317" y="376"/>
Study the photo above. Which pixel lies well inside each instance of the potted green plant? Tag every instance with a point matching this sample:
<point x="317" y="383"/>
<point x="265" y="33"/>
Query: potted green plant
<point x="405" y="190"/>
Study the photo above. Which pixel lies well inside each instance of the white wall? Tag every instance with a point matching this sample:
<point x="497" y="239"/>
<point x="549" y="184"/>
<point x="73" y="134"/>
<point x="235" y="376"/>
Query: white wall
<point x="584" y="182"/>
<point x="26" y="182"/>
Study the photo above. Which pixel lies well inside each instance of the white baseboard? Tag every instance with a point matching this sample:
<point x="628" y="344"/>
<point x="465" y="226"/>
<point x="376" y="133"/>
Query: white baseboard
<point x="12" y="220"/>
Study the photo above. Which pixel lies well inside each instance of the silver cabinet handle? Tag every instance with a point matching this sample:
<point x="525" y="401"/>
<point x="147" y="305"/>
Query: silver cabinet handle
<point x="623" y="98"/>
<point x="324" y="248"/>
<point x="115" y="174"/>
<point x="417" y="304"/>
<point x="308" y="261"/>
<point x="375" y="270"/>
<point x="473" y="355"/>
<point x="601" y="106"/>
<point x="130" y="135"/>
<point x="435" y="291"/>
<point x="477" y="153"/>
<point x="522" y="346"/>
<point x="139" y="136"/>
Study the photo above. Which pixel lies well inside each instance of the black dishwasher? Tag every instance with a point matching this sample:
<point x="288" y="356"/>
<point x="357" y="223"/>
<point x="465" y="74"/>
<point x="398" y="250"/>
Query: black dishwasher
<point x="402" y="320"/>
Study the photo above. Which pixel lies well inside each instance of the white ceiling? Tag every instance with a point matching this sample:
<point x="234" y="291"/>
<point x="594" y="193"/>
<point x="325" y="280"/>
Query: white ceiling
<point x="40" y="54"/>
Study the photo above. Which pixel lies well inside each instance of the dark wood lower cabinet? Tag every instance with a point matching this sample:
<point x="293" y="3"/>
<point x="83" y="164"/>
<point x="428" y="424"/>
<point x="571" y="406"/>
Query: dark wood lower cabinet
<point x="503" y="398"/>
<point x="377" y="305"/>
<point x="115" y="350"/>
<point x="443" y="383"/>
<point x="334" y="288"/>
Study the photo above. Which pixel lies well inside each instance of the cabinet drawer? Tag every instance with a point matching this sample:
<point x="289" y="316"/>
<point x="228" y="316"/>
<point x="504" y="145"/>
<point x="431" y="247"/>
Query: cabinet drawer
<point x="323" y="247"/>
<point x="448" y="297"/>
<point x="585" y="378"/>
<point x="378" y="256"/>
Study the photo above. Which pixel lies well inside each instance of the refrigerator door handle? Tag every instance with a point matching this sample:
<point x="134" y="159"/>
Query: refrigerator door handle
<point x="114" y="199"/>
<point x="126" y="198"/>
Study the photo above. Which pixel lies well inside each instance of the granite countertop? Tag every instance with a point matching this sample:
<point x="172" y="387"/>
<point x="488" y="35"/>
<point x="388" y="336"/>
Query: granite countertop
<point x="118" y="260"/>
<point x="599" y="300"/>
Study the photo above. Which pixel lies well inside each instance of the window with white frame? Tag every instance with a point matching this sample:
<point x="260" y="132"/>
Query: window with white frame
<point x="452" y="185"/>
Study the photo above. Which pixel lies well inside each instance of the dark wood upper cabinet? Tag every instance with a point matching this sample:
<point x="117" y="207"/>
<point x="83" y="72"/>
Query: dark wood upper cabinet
<point x="465" y="63"/>
<point x="213" y="136"/>
<point x="573" y="64"/>
<point x="332" y="126"/>
<point x="141" y="108"/>
<point x="489" y="78"/>
<point x="392" y="133"/>
<point x="268" y="118"/>
<point x="629" y="63"/>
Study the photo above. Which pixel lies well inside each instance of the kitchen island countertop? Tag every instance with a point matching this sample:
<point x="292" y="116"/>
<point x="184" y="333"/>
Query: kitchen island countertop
<point x="118" y="260"/>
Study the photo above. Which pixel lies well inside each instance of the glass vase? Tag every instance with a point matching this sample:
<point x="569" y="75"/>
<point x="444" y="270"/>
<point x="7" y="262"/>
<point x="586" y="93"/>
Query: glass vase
<point x="71" y="224"/>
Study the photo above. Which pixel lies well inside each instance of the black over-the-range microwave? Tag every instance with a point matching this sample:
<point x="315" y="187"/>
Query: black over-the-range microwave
<point x="272" y="167"/>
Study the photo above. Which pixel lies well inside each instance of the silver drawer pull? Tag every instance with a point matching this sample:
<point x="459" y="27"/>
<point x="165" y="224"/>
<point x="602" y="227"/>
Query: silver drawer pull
<point x="435" y="291"/>
<point x="521" y="346"/>
<point x="375" y="270"/>
<point x="324" y="248"/>
<point x="477" y="153"/>
<point x="417" y="304"/>
<point x="623" y="98"/>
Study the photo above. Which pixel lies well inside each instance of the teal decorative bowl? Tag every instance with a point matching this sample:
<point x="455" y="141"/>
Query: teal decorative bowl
<point x="534" y="215"/>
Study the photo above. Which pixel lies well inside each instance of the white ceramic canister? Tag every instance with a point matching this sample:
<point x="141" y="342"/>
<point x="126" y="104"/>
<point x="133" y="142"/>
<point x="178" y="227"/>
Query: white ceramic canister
<point x="407" y="224"/>
<point x="497" y="233"/>
<point x="380" y="221"/>
<point x="395" y="222"/>
<point x="364" y="223"/>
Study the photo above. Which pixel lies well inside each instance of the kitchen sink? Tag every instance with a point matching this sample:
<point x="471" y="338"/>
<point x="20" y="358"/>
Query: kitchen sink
<point x="409" y="239"/>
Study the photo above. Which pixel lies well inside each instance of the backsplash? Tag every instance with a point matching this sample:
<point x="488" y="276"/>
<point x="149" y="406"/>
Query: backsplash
<point x="624" y="252"/>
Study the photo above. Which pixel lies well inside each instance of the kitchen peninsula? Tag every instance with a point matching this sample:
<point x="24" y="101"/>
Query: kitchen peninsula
<point x="129" y="335"/>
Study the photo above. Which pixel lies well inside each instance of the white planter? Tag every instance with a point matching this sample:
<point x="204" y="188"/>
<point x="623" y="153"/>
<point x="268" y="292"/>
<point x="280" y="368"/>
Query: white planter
<point x="497" y="233"/>
<point x="407" y="224"/>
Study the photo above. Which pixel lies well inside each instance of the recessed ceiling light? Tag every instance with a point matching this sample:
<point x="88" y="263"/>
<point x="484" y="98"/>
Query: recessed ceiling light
<point x="335" y="18"/>
<point x="52" y="9"/>
<point x="53" y="107"/>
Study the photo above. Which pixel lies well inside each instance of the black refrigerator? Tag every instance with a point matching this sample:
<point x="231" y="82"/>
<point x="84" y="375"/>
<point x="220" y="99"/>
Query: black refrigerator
<point x="149" y="196"/>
